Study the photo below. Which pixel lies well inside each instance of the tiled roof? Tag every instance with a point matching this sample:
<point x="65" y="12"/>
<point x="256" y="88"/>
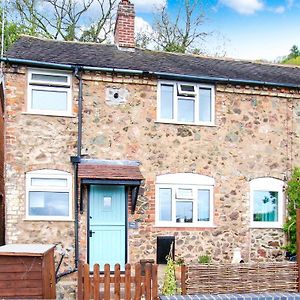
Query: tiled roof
<point x="109" y="56"/>
<point x="109" y="172"/>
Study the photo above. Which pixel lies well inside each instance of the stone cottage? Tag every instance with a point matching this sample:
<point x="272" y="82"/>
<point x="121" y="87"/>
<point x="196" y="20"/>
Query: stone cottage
<point x="111" y="151"/>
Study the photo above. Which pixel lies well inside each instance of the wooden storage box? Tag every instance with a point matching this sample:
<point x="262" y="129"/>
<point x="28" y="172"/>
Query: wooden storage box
<point x="27" y="271"/>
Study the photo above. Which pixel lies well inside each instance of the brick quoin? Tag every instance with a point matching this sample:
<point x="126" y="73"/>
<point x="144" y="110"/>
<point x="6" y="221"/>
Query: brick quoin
<point x="2" y="199"/>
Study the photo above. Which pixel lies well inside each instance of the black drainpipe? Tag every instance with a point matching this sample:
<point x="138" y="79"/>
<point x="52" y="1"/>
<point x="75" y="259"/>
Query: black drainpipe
<point x="78" y="75"/>
<point x="76" y="160"/>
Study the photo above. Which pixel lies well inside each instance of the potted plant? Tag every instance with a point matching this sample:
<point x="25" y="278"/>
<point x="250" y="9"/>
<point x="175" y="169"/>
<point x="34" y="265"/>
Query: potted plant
<point x="179" y="262"/>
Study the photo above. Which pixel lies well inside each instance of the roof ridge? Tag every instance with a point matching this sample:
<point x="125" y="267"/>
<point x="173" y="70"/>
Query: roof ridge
<point x="226" y="59"/>
<point x="62" y="41"/>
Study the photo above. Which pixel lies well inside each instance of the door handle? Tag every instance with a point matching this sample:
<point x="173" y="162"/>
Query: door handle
<point x="91" y="233"/>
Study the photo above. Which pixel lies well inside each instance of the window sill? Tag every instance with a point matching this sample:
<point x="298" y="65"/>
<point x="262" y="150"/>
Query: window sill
<point x="186" y="123"/>
<point x="266" y="226"/>
<point x="185" y="225"/>
<point x="48" y="114"/>
<point x="48" y="220"/>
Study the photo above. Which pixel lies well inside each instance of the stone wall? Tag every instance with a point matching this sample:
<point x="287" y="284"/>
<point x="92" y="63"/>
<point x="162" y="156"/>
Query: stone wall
<point x="35" y="142"/>
<point x="256" y="134"/>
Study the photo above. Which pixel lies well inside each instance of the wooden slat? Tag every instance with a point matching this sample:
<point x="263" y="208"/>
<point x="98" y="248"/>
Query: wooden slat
<point x="154" y="282"/>
<point x="80" y="287"/>
<point x="96" y="277"/>
<point x="19" y="284"/>
<point x="138" y="282"/>
<point x="19" y="268"/>
<point x="106" y="282"/>
<point x="9" y="260"/>
<point x="86" y="282"/>
<point x="183" y="280"/>
<point x="30" y="292"/>
<point x="148" y="281"/>
<point x="127" y="282"/>
<point x="20" y="276"/>
<point x="117" y="281"/>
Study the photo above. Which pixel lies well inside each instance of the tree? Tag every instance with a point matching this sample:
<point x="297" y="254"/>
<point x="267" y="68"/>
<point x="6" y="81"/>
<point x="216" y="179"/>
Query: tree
<point x="12" y="30"/>
<point x="293" y="57"/>
<point x="293" y="195"/>
<point x="67" y="19"/>
<point x="181" y="33"/>
<point x="294" y="52"/>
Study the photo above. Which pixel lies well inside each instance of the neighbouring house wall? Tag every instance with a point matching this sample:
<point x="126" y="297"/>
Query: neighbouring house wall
<point x="256" y="134"/>
<point x="35" y="142"/>
<point x="2" y="194"/>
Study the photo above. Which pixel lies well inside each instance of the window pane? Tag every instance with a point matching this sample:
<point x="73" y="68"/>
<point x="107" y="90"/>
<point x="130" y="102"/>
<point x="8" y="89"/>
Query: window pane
<point x="187" y="88"/>
<point x="48" y="204"/>
<point x="186" y="110"/>
<point x="50" y="78"/>
<point x="205" y="105"/>
<point x="265" y="206"/>
<point x="184" y="211"/>
<point x="184" y="194"/>
<point x="49" y="182"/>
<point x="165" y="204"/>
<point x="203" y="205"/>
<point x="49" y="100"/>
<point x="166" y="101"/>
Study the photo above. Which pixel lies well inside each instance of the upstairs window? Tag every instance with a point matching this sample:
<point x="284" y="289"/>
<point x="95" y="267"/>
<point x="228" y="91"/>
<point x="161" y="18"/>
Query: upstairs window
<point x="186" y="103"/>
<point x="184" y="199"/>
<point x="49" y="93"/>
<point x="48" y="194"/>
<point x="266" y="202"/>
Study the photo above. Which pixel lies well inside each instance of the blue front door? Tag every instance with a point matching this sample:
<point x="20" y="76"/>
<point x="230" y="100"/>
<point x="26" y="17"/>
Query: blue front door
<point x="107" y="222"/>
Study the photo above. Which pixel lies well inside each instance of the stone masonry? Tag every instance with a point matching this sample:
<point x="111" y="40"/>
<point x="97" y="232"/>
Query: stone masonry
<point x="256" y="135"/>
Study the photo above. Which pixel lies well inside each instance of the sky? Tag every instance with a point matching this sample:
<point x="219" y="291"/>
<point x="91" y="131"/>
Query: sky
<point x="242" y="29"/>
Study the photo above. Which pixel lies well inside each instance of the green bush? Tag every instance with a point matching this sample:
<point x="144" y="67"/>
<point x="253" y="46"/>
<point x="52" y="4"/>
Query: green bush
<point x="204" y="259"/>
<point x="293" y="195"/>
<point x="170" y="286"/>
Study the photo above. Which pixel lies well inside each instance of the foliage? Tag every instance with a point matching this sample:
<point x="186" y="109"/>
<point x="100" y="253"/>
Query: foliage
<point x="181" y="33"/>
<point x="294" y="54"/>
<point x="293" y="195"/>
<point x="170" y="286"/>
<point x="204" y="259"/>
<point x="12" y="31"/>
<point x="179" y="261"/>
<point x="69" y="20"/>
<point x="293" y="61"/>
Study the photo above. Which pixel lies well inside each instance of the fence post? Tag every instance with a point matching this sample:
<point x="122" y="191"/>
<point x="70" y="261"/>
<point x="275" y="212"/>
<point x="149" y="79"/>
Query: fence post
<point x="86" y="282"/>
<point x="183" y="279"/>
<point x="298" y="244"/>
<point x="80" y="281"/>
<point x="154" y="282"/>
<point x="148" y="275"/>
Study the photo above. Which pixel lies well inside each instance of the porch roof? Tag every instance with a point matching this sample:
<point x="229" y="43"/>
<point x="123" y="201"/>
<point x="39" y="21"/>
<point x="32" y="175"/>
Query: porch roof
<point x="109" y="172"/>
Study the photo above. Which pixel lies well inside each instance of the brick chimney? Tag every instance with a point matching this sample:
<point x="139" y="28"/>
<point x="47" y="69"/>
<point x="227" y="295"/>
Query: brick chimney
<point x="124" y="28"/>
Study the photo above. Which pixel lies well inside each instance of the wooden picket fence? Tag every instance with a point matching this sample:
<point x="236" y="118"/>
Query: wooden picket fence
<point x="115" y="284"/>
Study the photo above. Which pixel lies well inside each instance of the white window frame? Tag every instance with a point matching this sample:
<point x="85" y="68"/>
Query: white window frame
<point x="184" y="181"/>
<point x="267" y="184"/>
<point x="49" y="86"/>
<point x="49" y="174"/>
<point x="176" y="85"/>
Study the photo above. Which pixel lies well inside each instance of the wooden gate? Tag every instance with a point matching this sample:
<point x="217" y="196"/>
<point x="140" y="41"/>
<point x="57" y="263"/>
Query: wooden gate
<point x="134" y="283"/>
